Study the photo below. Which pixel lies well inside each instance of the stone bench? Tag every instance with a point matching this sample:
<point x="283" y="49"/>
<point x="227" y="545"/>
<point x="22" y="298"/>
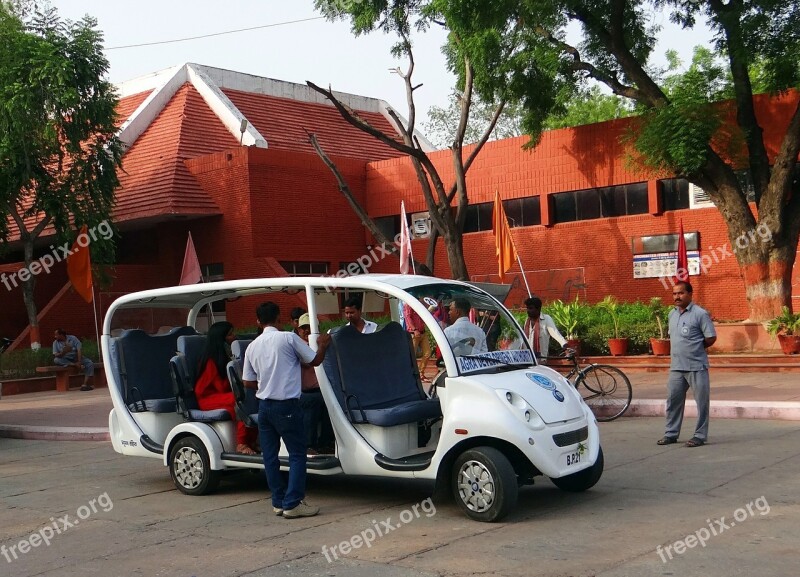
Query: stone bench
<point x="64" y="373"/>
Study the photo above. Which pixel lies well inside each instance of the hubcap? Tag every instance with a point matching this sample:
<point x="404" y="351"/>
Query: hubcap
<point x="476" y="486"/>
<point x="188" y="467"/>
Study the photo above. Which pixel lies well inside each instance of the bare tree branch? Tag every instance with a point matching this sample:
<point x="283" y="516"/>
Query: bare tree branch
<point x="344" y="188"/>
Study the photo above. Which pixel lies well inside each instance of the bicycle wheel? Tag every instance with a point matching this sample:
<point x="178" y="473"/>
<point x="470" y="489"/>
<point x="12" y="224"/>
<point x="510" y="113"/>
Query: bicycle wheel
<point x="606" y="390"/>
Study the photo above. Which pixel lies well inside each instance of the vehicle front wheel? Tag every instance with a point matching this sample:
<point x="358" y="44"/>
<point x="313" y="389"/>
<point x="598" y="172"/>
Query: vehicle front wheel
<point x="582" y="480"/>
<point x="190" y="467"/>
<point x="484" y="484"/>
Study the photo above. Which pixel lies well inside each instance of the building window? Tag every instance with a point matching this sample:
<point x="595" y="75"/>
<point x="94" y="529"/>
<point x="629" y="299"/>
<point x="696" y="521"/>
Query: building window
<point x="479" y="217"/>
<point x="523" y="211"/>
<point x="674" y="193"/>
<point x="389" y="225"/>
<point x="302" y="268"/>
<point x="606" y="202"/>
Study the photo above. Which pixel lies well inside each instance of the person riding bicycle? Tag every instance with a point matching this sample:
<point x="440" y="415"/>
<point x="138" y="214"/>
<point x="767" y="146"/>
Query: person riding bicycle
<point x="539" y="327"/>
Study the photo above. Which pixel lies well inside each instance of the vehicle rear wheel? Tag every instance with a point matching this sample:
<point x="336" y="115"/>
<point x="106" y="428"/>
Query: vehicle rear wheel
<point x="582" y="480"/>
<point x="190" y="467"/>
<point x="484" y="484"/>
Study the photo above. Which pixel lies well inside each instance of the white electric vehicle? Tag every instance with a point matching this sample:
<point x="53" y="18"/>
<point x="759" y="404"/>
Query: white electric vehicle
<point x="489" y="422"/>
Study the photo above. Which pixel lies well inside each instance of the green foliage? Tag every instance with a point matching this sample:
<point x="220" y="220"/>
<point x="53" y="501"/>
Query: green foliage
<point x="588" y="107"/>
<point x="660" y="313"/>
<point x="567" y="316"/>
<point x="787" y="323"/>
<point x="442" y="123"/>
<point x="57" y="126"/>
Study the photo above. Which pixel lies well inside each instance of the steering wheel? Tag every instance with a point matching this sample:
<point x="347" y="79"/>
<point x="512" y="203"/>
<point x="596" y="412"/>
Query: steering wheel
<point x="463" y="347"/>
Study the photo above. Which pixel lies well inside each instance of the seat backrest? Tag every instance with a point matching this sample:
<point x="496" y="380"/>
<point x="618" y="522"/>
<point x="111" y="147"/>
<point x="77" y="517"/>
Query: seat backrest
<point x="192" y="347"/>
<point x="238" y="348"/>
<point x="142" y="363"/>
<point x="377" y="368"/>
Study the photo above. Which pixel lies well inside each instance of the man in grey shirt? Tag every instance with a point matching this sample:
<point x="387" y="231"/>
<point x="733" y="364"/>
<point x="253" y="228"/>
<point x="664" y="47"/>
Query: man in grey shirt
<point x="691" y="332"/>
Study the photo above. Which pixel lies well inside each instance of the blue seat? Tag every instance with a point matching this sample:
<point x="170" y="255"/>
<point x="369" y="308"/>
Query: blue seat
<point x="375" y="377"/>
<point x="184" y="369"/>
<point x="246" y="402"/>
<point x="140" y="363"/>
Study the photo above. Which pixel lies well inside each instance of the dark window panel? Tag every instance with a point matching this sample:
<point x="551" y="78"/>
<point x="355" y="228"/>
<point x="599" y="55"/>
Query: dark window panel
<point x="637" y="201"/>
<point x="564" y="207"/>
<point x="588" y="202"/>
<point x="674" y="193"/>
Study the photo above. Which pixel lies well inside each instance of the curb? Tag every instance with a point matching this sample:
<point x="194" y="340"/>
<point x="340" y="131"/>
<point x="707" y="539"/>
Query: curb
<point x="54" y="433"/>
<point x="779" y="410"/>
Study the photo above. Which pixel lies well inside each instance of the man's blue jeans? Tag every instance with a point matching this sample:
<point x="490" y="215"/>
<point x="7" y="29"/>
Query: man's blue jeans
<point x="283" y="420"/>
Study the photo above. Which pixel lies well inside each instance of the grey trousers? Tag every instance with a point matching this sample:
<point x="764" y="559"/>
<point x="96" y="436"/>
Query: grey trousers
<point x="677" y="385"/>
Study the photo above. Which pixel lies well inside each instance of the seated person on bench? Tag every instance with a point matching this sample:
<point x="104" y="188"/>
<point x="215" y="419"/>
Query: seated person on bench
<point x="212" y="389"/>
<point x="464" y="337"/>
<point x="67" y="353"/>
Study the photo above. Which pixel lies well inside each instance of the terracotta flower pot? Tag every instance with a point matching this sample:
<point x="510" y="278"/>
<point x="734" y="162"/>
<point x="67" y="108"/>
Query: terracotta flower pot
<point x="575" y="344"/>
<point x="618" y="347"/>
<point x="790" y="344"/>
<point x="660" y="347"/>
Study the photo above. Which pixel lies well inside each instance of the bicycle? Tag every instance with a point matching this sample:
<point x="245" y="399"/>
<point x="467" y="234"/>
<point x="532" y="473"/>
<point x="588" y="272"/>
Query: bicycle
<point x="606" y="389"/>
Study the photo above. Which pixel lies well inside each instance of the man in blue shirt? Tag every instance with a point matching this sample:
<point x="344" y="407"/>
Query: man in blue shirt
<point x="691" y="332"/>
<point x="67" y="353"/>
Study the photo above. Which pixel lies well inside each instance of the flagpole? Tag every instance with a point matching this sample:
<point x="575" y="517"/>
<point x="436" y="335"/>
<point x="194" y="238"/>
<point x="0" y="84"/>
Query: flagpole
<point x="96" y="329"/>
<point x="519" y="260"/>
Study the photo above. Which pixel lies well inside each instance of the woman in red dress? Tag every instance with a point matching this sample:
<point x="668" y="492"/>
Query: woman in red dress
<point x="212" y="389"/>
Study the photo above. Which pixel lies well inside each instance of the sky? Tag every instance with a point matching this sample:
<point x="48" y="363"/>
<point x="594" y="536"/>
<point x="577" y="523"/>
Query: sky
<point x="323" y="52"/>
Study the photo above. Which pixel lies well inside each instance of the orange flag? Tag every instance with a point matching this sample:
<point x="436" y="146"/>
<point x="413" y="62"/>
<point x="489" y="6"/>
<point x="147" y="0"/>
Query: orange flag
<point x="79" y="266"/>
<point x="190" y="272"/>
<point x="505" y="250"/>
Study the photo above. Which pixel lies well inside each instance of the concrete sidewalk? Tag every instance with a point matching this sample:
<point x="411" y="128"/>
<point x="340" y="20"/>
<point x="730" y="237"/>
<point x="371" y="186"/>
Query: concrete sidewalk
<point x="77" y="415"/>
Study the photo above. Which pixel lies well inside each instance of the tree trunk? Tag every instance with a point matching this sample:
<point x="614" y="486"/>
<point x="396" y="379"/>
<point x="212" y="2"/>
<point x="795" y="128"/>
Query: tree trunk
<point x="767" y="272"/>
<point x="455" y="256"/>
<point x="27" y="295"/>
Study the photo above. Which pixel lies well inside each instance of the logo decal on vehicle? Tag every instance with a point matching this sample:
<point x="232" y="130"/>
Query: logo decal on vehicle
<point x="543" y="382"/>
<point x="558" y="395"/>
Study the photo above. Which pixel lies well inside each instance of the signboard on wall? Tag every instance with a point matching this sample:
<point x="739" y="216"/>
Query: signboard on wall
<point x="662" y="264"/>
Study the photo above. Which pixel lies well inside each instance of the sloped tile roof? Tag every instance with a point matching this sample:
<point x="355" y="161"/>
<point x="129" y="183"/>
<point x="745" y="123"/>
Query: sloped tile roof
<point x="284" y="122"/>
<point x="129" y="104"/>
<point x="154" y="180"/>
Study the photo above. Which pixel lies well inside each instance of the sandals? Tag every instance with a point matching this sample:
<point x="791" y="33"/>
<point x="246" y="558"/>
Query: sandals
<point x="695" y="442"/>
<point x="667" y="441"/>
<point x="245" y="450"/>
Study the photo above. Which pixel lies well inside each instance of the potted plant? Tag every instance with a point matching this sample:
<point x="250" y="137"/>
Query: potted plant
<point x="567" y="317"/>
<point x="660" y="312"/>
<point x="616" y="345"/>
<point x="786" y="327"/>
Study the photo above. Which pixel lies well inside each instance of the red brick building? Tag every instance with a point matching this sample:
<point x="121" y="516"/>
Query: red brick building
<point x="259" y="202"/>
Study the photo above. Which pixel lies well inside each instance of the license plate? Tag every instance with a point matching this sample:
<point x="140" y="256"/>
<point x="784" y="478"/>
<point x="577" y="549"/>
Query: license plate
<point x="573" y="458"/>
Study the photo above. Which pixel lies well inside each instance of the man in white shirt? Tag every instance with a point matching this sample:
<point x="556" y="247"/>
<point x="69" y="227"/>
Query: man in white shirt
<point x="272" y="362"/>
<point x="539" y="327"/>
<point x="352" y="312"/>
<point x="464" y="337"/>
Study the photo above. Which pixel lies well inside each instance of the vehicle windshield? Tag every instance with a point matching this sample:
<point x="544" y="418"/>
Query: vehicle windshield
<point x="487" y="337"/>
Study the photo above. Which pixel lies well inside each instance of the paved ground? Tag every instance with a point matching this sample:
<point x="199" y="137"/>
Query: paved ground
<point x="743" y="485"/>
